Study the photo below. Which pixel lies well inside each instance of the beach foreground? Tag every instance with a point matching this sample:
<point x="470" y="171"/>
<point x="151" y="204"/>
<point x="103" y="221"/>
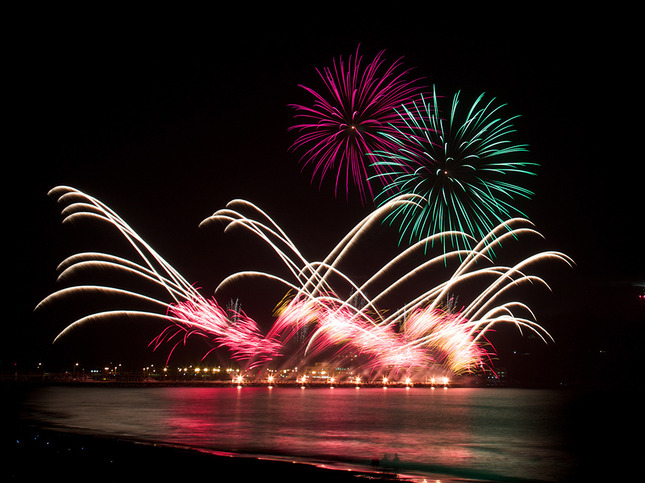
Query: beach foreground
<point x="39" y="454"/>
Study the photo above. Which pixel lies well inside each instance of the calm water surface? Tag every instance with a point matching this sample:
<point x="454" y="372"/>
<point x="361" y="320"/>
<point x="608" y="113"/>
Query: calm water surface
<point x="491" y="433"/>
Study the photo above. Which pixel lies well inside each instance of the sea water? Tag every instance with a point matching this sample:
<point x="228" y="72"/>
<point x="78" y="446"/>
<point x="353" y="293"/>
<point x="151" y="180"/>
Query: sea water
<point x="479" y="433"/>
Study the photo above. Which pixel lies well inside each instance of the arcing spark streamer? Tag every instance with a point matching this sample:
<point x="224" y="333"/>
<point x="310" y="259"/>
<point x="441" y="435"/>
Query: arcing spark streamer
<point x="423" y="333"/>
<point x="186" y="309"/>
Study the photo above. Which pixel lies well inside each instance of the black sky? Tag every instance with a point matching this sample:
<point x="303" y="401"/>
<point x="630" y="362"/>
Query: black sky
<point x="166" y="121"/>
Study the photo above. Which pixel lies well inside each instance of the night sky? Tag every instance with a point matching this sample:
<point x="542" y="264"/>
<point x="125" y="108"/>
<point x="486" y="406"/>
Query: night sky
<point x="167" y="121"/>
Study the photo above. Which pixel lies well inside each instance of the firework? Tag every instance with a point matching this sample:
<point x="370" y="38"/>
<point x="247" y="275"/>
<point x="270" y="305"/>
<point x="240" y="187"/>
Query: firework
<point x="425" y="333"/>
<point x="461" y="167"/>
<point x="346" y="330"/>
<point x="353" y="117"/>
<point x="236" y="332"/>
<point x="188" y="312"/>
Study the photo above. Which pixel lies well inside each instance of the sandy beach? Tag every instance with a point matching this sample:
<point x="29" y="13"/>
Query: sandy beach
<point x="38" y="454"/>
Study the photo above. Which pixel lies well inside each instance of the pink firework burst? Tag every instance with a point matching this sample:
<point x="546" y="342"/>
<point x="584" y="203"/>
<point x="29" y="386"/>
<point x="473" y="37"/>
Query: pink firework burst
<point x="428" y="336"/>
<point x="236" y="332"/>
<point x="448" y="336"/>
<point x="354" y="116"/>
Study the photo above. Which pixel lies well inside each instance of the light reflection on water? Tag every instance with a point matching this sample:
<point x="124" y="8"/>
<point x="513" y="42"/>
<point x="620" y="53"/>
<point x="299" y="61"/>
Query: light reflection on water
<point x="503" y="432"/>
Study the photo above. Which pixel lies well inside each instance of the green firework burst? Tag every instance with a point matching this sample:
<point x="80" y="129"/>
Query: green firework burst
<point x="463" y="167"/>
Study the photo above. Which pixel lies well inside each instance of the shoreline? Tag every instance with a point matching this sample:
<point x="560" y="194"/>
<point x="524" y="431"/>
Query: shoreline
<point x="41" y="454"/>
<point x="36" y="453"/>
